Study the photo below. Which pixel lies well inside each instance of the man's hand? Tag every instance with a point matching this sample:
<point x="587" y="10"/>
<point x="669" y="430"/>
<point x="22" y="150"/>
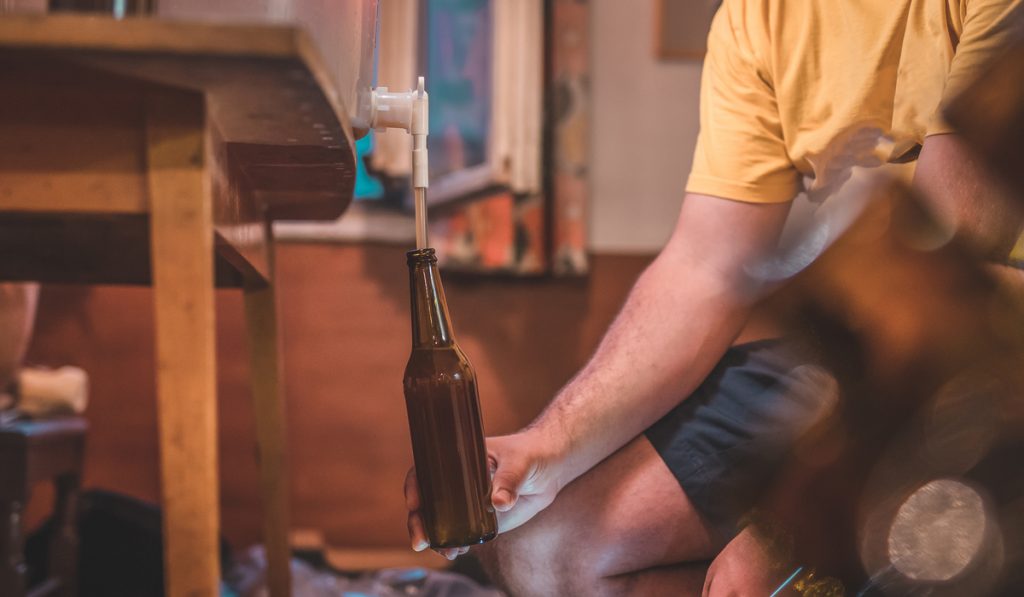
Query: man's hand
<point x="525" y="477"/>
<point x="744" y="567"/>
<point x="524" y="482"/>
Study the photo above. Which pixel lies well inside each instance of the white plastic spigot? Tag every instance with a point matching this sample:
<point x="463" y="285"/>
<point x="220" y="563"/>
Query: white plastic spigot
<point x="407" y="110"/>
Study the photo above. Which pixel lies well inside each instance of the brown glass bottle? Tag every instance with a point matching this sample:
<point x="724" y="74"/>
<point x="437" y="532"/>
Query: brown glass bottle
<point x="444" y="419"/>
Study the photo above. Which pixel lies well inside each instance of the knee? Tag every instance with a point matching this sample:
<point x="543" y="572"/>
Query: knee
<point x="538" y="559"/>
<point x="519" y="563"/>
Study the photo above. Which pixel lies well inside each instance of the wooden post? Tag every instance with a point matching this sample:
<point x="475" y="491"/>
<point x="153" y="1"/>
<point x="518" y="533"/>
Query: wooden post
<point x="268" y="405"/>
<point x="13" y="573"/>
<point x="64" y="544"/>
<point x="182" y="265"/>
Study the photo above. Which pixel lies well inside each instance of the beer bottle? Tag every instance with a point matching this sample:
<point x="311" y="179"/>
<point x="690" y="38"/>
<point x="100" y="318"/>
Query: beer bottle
<point x="444" y="419"/>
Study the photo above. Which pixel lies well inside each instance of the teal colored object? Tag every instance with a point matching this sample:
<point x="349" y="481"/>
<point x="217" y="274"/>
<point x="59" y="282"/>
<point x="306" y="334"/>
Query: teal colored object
<point x="367" y="187"/>
<point x="786" y="582"/>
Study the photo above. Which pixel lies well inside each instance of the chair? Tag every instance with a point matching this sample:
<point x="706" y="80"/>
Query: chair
<point x="31" y="452"/>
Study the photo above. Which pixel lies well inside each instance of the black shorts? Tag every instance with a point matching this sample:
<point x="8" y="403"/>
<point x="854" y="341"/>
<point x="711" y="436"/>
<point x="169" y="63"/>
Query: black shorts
<point x="726" y="441"/>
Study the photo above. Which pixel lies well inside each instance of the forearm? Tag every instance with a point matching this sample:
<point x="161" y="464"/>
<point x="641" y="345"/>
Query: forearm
<point x="966" y="197"/>
<point x="663" y="343"/>
<point x="681" y="316"/>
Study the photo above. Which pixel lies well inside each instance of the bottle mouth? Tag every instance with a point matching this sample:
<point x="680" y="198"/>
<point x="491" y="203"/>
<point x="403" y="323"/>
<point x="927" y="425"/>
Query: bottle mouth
<point x="426" y="255"/>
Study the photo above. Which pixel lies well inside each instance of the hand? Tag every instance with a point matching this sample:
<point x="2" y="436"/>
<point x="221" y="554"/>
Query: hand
<point x="525" y="477"/>
<point x="417" y="534"/>
<point x="745" y="567"/>
<point x="524" y="482"/>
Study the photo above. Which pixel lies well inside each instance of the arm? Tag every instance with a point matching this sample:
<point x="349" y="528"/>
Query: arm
<point x="948" y="175"/>
<point x="682" y="314"/>
<point x="966" y="197"/>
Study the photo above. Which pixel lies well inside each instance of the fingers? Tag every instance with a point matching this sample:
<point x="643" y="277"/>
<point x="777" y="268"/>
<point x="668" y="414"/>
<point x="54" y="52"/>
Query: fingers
<point x="412" y="491"/>
<point x="419" y="539"/>
<point x="417" y="535"/>
<point x="508" y="478"/>
<point x="452" y="552"/>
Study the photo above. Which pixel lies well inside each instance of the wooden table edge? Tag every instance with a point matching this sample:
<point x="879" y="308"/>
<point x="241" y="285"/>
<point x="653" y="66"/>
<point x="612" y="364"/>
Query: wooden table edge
<point x="171" y="36"/>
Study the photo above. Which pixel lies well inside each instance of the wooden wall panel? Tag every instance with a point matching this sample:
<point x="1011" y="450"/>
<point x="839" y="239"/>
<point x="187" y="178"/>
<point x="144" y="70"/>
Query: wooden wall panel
<point x="346" y="338"/>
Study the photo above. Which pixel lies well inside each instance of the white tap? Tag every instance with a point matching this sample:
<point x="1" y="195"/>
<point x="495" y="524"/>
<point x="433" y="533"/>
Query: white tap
<point x="408" y="110"/>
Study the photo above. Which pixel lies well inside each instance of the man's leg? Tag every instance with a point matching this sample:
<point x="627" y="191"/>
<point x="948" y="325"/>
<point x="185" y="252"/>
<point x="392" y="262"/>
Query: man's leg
<point x="624" y="528"/>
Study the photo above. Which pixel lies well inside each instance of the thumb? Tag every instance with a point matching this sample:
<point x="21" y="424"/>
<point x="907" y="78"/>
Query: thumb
<point x="507" y="481"/>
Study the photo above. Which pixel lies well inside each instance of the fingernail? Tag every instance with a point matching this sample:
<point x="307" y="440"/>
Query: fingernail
<point x="420" y="545"/>
<point x="502" y="499"/>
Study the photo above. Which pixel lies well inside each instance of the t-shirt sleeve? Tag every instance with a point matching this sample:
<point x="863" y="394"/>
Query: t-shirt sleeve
<point x="740" y="152"/>
<point x="987" y="28"/>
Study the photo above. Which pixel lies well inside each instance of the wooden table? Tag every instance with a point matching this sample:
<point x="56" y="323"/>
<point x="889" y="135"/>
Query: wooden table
<point x="149" y="152"/>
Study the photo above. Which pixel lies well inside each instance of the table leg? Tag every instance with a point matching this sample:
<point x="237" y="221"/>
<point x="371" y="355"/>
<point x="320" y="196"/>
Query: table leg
<point x="182" y="265"/>
<point x="268" y="403"/>
<point x="13" y="574"/>
<point x="64" y="545"/>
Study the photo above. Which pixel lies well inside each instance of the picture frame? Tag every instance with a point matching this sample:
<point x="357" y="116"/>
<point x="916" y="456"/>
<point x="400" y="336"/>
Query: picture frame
<point x="484" y="66"/>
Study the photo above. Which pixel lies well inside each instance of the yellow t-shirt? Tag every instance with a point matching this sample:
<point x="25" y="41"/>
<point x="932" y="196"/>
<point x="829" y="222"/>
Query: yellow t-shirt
<point x="795" y="92"/>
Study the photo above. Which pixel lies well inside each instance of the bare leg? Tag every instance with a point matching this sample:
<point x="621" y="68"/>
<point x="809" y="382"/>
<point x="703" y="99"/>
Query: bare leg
<point x="623" y="528"/>
<point x="17" y="313"/>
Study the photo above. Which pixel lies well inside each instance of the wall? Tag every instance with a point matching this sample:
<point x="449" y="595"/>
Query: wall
<point x="346" y="338"/>
<point x="645" y="122"/>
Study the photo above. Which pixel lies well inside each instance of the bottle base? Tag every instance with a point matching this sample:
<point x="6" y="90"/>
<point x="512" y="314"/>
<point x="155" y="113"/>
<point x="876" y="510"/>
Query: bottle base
<point x="450" y="545"/>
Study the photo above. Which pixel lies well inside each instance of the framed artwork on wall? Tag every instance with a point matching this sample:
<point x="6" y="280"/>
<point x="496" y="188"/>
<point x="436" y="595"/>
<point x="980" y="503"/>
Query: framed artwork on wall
<point x="483" y="60"/>
<point x="484" y="66"/>
<point x="457" y="57"/>
<point x="509" y="128"/>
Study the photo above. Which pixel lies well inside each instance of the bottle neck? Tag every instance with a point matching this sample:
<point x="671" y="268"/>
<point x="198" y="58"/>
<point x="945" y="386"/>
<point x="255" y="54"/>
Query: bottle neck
<point x="431" y="324"/>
